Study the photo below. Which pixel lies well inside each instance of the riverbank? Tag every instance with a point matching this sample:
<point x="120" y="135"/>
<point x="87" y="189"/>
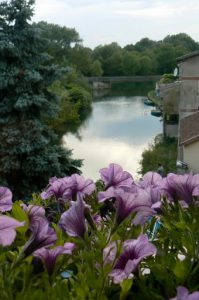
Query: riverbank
<point x="155" y="99"/>
<point x="164" y="151"/>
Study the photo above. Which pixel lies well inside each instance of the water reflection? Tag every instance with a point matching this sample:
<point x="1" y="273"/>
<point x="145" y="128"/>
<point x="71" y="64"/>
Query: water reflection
<point x="119" y="129"/>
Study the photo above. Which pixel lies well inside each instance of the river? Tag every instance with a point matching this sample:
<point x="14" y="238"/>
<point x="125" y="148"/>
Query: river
<point x="118" y="130"/>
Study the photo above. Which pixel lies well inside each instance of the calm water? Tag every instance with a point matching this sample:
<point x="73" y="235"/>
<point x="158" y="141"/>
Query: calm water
<point x="118" y="130"/>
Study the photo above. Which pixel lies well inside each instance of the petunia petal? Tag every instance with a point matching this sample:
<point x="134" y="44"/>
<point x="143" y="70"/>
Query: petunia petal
<point x="5" y="199"/>
<point x="7" y="230"/>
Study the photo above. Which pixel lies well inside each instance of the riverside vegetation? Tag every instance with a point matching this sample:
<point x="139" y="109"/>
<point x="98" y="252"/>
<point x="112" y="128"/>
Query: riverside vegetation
<point x="160" y="151"/>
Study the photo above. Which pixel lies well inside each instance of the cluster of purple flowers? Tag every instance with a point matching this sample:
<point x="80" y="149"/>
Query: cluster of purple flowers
<point x="42" y="236"/>
<point x="68" y="188"/>
<point x="140" y="199"/>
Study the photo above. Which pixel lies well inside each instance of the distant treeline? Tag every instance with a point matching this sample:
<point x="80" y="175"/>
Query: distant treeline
<point x="146" y="57"/>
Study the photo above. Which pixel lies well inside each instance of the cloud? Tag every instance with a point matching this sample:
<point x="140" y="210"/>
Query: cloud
<point x="46" y="8"/>
<point x="105" y="21"/>
<point x="157" y="9"/>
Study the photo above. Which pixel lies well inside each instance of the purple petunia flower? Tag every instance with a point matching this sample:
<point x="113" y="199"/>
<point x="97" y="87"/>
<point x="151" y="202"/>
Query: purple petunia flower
<point x="115" y="176"/>
<point x="183" y="294"/>
<point x="42" y="236"/>
<point x="145" y="203"/>
<point x="148" y="204"/>
<point x="150" y="179"/>
<point x="181" y="187"/>
<point x="113" y="191"/>
<point x="49" y="256"/>
<point x="57" y="188"/>
<point x="97" y="219"/>
<point x="125" y="204"/>
<point x="68" y="188"/>
<point x="134" y="251"/>
<point x="73" y="221"/>
<point x="34" y="212"/>
<point x="109" y="253"/>
<point x="81" y="187"/>
<point x="108" y="194"/>
<point x="7" y="230"/>
<point x="5" y="199"/>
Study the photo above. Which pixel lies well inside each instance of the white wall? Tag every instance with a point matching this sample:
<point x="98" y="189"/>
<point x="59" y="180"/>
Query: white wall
<point x="191" y="156"/>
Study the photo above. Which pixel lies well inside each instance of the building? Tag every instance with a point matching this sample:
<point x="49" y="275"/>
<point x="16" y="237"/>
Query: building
<point x="181" y="110"/>
<point x="188" y="136"/>
<point x="189" y="141"/>
<point x="189" y="76"/>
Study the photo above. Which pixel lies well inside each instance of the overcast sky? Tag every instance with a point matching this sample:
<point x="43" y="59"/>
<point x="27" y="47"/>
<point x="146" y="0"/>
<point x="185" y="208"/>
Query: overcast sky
<point x="100" y="22"/>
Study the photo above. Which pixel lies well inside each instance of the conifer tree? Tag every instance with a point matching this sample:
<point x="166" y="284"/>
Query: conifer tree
<point x="29" y="151"/>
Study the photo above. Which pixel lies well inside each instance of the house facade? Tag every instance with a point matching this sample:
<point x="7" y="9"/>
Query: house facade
<point x="181" y="111"/>
<point x="188" y="134"/>
<point x="189" y="76"/>
<point x="189" y="141"/>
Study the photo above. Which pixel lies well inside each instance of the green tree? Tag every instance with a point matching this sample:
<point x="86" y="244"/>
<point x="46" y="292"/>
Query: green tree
<point x="64" y="45"/>
<point x="114" y="64"/>
<point x="129" y="47"/>
<point x="144" y="44"/>
<point x="131" y="65"/>
<point x="109" y="55"/>
<point x="180" y="50"/>
<point x="182" y="39"/>
<point x="60" y="40"/>
<point x="82" y="60"/>
<point x="166" y="59"/>
<point x="146" y="65"/>
<point x="96" y="68"/>
<point x="29" y="151"/>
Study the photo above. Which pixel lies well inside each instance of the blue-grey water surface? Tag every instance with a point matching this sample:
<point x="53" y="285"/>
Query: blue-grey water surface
<point x="118" y="130"/>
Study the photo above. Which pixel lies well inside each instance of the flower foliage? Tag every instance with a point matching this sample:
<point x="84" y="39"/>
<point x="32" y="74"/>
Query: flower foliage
<point x="117" y="239"/>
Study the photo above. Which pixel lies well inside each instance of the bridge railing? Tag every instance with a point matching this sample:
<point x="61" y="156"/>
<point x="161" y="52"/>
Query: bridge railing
<point x="112" y="79"/>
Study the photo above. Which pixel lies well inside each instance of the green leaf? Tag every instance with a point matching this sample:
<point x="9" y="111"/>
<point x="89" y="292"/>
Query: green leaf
<point x="125" y="288"/>
<point x="180" y="269"/>
<point x="19" y="214"/>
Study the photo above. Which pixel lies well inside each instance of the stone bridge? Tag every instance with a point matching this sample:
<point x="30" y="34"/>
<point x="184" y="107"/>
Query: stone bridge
<point x="113" y="79"/>
<point x="106" y="81"/>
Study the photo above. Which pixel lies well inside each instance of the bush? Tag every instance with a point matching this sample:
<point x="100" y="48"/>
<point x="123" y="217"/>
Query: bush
<point x="76" y="103"/>
<point x="168" y="78"/>
<point x="161" y="151"/>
